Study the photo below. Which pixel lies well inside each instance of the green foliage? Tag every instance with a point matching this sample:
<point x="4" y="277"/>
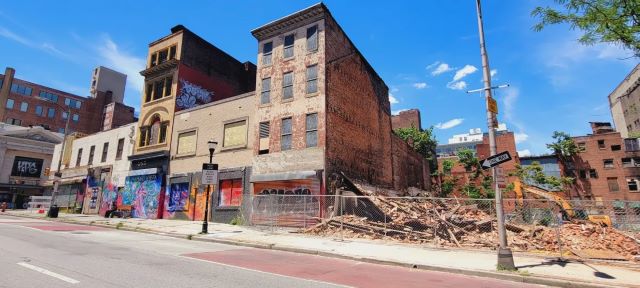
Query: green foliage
<point x="238" y="220"/>
<point x="564" y="146"/>
<point x="422" y="141"/>
<point x="634" y="135"/>
<point x="447" y="186"/>
<point x="447" y="166"/>
<point x="601" y="21"/>
<point x="533" y="174"/>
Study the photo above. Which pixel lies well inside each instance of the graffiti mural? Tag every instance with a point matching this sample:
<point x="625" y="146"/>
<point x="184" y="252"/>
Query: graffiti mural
<point x="109" y="195"/>
<point x="192" y="95"/>
<point x="178" y="197"/>
<point x="294" y="203"/>
<point x="143" y="192"/>
<point x="196" y="88"/>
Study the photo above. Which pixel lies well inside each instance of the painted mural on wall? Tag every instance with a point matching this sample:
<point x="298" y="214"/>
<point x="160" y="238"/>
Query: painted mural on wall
<point x="196" y="88"/>
<point x="109" y="195"/>
<point x="144" y="193"/>
<point x="178" y="197"/>
<point x="294" y="203"/>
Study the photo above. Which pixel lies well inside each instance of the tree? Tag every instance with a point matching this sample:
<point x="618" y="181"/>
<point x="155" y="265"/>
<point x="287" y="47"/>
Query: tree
<point x="533" y="175"/>
<point x="606" y="21"/>
<point x="472" y="164"/>
<point x="422" y="141"/>
<point x="564" y="146"/>
<point x="447" y="166"/>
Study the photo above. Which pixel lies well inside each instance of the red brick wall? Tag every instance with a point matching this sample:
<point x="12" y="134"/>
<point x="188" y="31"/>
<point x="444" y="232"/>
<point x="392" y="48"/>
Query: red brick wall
<point x="406" y="119"/>
<point x="593" y="158"/>
<point x="408" y="166"/>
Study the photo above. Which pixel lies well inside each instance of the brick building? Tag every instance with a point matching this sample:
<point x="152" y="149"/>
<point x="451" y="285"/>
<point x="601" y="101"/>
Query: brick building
<point x="406" y="119"/>
<point x="322" y="109"/>
<point x="624" y="102"/>
<point x="27" y="104"/>
<point x="608" y="168"/>
<point x="183" y="71"/>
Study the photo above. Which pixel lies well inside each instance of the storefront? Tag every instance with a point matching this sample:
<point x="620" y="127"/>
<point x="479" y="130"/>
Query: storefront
<point x="144" y="187"/>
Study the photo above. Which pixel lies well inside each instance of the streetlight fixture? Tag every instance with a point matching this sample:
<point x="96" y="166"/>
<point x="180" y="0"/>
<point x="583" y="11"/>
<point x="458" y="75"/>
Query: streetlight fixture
<point x="57" y="175"/>
<point x="205" y="222"/>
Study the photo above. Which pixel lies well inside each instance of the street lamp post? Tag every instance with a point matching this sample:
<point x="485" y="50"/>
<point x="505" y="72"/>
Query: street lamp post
<point x="57" y="175"/>
<point x="205" y="222"/>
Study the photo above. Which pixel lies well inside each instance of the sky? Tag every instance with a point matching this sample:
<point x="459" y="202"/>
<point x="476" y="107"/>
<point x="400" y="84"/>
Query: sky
<point x="427" y="52"/>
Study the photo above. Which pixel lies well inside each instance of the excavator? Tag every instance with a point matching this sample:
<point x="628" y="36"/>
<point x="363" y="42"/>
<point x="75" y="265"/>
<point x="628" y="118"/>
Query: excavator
<point x="593" y="214"/>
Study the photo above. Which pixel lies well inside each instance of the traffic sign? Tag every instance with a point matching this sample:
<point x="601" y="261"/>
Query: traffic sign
<point x="492" y="105"/>
<point x="496" y="160"/>
<point x="209" y="174"/>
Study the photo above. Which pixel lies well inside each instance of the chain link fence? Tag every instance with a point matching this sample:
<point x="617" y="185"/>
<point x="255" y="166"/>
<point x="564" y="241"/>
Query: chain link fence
<point x="533" y="225"/>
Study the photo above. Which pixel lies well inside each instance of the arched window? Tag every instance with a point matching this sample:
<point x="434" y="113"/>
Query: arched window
<point x="155" y="132"/>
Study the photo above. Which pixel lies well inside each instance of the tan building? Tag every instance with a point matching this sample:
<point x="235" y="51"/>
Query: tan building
<point x="624" y="103"/>
<point x="227" y="122"/>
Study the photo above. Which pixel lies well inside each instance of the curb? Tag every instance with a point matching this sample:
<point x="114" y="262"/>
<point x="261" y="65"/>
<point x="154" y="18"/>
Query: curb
<point x="549" y="281"/>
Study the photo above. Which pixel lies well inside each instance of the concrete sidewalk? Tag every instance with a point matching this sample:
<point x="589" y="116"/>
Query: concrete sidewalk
<point x="532" y="269"/>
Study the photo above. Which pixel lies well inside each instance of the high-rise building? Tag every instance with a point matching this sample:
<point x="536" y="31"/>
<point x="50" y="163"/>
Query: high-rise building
<point x="624" y="103"/>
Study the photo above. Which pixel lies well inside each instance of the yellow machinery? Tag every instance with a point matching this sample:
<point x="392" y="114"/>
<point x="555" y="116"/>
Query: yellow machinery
<point x="518" y="187"/>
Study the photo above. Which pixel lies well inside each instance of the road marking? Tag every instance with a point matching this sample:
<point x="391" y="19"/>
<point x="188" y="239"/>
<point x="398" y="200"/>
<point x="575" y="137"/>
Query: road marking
<point x="49" y="273"/>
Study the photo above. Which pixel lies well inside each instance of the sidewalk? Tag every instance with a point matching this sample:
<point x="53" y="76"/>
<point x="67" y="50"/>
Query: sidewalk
<point x="480" y="263"/>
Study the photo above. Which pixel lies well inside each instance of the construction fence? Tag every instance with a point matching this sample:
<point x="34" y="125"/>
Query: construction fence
<point x="605" y="229"/>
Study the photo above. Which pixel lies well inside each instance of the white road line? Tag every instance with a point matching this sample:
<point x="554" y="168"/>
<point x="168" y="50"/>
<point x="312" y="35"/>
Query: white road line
<point x="49" y="273"/>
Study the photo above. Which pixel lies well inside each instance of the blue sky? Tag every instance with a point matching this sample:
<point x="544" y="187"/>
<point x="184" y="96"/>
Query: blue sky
<point x="426" y="51"/>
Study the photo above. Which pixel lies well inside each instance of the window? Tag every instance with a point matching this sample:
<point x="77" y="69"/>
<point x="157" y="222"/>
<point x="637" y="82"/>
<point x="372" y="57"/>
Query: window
<point x="312" y="38"/>
<point x="154" y="60"/>
<point x="162" y="56"/>
<point x="72" y="103"/>
<point x="20" y="89"/>
<point x="264" y="130"/>
<point x="10" y="103"/>
<point x="582" y="147"/>
<point x="287" y="85"/>
<point x="91" y="151"/>
<point x="631" y="145"/>
<point x="285" y="140"/>
<point x="39" y="110"/>
<point x="265" y="96"/>
<point x="613" y="184"/>
<point x="144" y="140"/>
<point x="186" y="143"/>
<point x="61" y="130"/>
<point x="105" y="151"/>
<point x="13" y="121"/>
<point x="235" y="134"/>
<point x="616" y="147"/>
<point x="1" y="82"/>
<point x="65" y="115"/>
<point x="632" y="184"/>
<point x="75" y="118"/>
<point x="24" y="106"/>
<point x="608" y="163"/>
<point x="51" y="112"/>
<point x="626" y="162"/>
<point x="148" y="92"/>
<point x="120" y="149"/>
<point x="593" y="173"/>
<point x="167" y="86"/>
<point x="583" y="174"/>
<point x="266" y="53"/>
<point x="601" y="144"/>
<point x="230" y="192"/>
<point x="172" y="52"/>
<point x="158" y="88"/>
<point x="288" y="46"/>
<point x="312" y="130"/>
<point x="312" y="79"/>
<point x="79" y="157"/>
<point x="264" y="138"/>
<point x="163" y="132"/>
<point x="49" y="96"/>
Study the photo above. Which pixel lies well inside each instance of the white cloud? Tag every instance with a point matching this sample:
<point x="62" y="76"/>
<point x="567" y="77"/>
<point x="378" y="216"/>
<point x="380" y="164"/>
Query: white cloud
<point x="396" y="112"/>
<point x="524" y="153"/>
<point x="392" y="99"/>
<point x="464" y="71"/>
<point x="520" y="137"/>
<point x="434" y="64"/>
<point x="509" y="102"/>
<point x="494" y="72"/>
<point x="123" y="62"/>
<point x="4" y="32"/>
<point x="449" y="124"/>
<point x="420" y="85"/>
<point x="442" y="68"/>
<point x="460" y="85"/>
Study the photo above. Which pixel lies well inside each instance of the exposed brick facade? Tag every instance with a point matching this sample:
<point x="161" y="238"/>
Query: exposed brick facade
<point x="406" y="119"/>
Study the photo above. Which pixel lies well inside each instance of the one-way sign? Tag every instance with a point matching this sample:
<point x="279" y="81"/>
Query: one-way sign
<point x="496" y="160"/>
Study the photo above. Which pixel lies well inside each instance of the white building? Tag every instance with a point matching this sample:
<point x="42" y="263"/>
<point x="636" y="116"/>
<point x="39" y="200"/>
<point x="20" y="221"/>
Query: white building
<point x="95" y="168"/>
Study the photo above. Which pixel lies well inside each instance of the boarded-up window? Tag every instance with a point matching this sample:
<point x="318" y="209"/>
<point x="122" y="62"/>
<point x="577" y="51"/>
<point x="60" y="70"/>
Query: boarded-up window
<point x="230" y="192"/>
<point x="312" y="38"/>
<point x="613" y="184"/>
<point x="264" y="129"/>
<point x="285" y="140"/>
<point x="186" y="142"/>
<point x="265" y="96"/>
<point x="312" y="79"/>
<point x="235" y="134"/>
<point x="312" y="130"/>
<point x="287" y="85"/>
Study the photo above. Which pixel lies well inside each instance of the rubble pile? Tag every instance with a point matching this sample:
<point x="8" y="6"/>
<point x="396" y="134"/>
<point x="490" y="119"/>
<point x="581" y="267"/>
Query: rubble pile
<point x="461" y="224"/>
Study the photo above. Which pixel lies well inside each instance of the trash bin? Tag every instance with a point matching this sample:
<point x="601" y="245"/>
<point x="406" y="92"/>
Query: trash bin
<point x="53" y="211"/>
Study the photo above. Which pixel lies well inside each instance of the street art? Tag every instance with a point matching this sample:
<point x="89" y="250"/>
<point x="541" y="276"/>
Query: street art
<point x="109" y="195"/>
<point x="192" y="95"/>
<point x="178" y="197"/>
<point x="294" y="203"/>
<point x="143" y="193"/>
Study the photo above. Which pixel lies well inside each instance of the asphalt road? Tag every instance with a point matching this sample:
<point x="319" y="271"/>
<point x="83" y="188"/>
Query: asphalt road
<point x="36" y="253"/>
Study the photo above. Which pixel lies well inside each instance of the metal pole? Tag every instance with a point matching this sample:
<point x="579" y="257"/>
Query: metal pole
<point x="205" y="221"/>
<point x="58" y="174"/>
<point x="505" y="257"/>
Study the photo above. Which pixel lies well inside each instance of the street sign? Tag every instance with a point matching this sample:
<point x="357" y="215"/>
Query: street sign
<point x="209" y="174"/>
<point x="492" y="105"/>
<point x="496" y="160"/>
